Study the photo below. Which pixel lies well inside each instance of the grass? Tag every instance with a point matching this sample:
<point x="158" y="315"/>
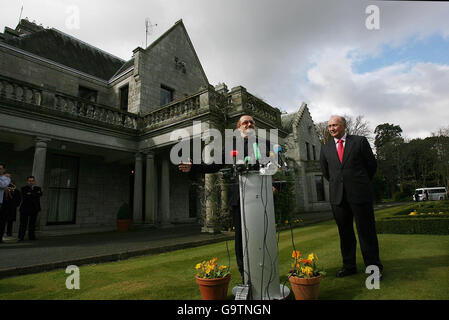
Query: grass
<point x="415" y="267"/>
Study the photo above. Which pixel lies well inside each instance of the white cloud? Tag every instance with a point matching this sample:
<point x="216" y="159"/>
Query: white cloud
<point x="413" y="96"/>
<point x="271" y="47"/>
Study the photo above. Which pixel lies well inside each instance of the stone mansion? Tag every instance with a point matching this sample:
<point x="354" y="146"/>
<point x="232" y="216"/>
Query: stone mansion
<point x="95" y="129"/>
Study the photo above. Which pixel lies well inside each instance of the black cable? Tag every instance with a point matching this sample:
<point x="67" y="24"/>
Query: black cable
<point x="229" y="256"/>
<point x="246" y="272"/>
<point x="265" y="225"/>
<point x="272" y="262"/>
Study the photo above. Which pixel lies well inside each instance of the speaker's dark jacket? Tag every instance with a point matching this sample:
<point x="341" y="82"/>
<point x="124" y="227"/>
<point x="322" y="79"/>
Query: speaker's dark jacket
<point x="354" y="174"/>
<point x="31" y="199"/>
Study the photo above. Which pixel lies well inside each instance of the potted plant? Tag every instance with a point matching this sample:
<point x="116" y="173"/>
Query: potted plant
<point x="305" y="277"/>
<point x="213" y="280"/>
<point x="124" y="218"/>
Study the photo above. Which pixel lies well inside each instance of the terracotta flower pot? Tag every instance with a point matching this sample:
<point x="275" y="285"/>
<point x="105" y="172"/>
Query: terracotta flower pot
<point x="123" y="225"/>
<point x="305" y="289"/>
<point x="214" y="289"/>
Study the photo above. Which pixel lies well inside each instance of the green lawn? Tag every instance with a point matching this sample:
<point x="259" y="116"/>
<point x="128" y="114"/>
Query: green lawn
<point x="415" y="267"/>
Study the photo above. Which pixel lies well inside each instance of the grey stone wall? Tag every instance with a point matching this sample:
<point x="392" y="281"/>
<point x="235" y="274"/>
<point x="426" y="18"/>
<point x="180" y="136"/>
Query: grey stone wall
<point x="158" y="67"/>
<point x="306" y="170"/>
<point x="179" y="195"/>
<point x="102" y="188"/>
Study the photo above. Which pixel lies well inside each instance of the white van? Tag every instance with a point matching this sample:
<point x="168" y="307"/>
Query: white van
<point x="437" y="193"/>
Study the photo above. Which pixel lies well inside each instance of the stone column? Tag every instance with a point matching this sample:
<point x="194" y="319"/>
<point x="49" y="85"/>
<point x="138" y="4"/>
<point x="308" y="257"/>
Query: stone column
<point x="39" y="164"/>
<point x="151" y="190"/>
<point x="40" y="158"/>
<point x="211" y="220"/>
<point x="165" y="193"/>
<point x="137" y="207"/>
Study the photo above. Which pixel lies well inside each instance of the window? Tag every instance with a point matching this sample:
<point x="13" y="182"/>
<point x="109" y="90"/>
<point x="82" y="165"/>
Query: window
<point x="62" y="189"/>
<point x="319" y="183"/>
<point x="124" y="92"/>
<point x="308" y="150"/>
<point x="314" y="152"/>
<point x="166" y="95"/>
<point x="88" y="94"/>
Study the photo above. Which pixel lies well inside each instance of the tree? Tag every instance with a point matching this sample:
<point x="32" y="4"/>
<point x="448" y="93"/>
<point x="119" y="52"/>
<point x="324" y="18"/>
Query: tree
<point x="354" y="126"/>
<point x="390" y="162"/>
<point x="358" y="127"/>
<point x="442" y="150"/>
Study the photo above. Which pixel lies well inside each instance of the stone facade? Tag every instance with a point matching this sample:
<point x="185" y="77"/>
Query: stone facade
<point x="303" y="150"/>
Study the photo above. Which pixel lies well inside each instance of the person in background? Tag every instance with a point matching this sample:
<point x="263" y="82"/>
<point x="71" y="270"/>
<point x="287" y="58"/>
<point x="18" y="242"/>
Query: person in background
<point x="11" y="200"/>
<point x="5" y="180"/>
<point x="29" y="209"/>
<point x="416" y="196"/>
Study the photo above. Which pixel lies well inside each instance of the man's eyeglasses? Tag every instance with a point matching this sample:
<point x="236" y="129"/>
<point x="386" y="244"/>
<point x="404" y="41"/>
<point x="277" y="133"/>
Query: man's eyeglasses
<point x="248" y="122"/>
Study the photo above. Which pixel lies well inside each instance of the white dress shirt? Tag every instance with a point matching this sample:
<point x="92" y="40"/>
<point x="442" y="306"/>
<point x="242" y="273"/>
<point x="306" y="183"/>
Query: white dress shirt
<point x="342" y="138"/>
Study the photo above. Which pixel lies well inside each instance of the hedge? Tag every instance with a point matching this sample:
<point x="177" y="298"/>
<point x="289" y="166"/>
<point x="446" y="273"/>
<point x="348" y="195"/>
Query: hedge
<point x="414" y="225"/>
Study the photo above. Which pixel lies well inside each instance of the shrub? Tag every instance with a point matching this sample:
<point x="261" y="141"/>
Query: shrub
<point x="124" y="213"/>
<point x="420" y="224"/>
<point x="401" y="196"/>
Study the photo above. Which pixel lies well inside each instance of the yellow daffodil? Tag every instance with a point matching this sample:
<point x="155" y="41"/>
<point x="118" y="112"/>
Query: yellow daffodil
<point x="296" y="254"/>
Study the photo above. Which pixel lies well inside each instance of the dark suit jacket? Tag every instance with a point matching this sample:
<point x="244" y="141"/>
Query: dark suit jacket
<point x="10" y="204"/>
<point x="31" y="199"/>
<point x="354" y="175"/>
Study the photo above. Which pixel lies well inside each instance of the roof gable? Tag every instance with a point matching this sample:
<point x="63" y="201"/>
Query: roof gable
<point x="178" y="24"/>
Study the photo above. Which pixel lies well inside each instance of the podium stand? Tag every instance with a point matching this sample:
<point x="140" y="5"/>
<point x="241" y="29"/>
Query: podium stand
<point x="260" y="250"/>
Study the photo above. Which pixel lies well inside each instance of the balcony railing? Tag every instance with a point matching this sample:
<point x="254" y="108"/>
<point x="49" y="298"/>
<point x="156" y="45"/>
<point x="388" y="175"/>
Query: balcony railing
<point x="68" y="106"/>
<point x="171" y="112"/>
<point x="206" y="100"/>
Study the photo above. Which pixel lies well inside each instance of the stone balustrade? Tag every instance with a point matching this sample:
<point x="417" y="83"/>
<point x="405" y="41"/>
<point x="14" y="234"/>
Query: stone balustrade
<point x="20" y="91"/>
<point x="66" y="105"/>
<point x="88" y="110"/>
<point x="261" y="109"/>
<point x="206" y="100"/>
<point x="174" y="111"/>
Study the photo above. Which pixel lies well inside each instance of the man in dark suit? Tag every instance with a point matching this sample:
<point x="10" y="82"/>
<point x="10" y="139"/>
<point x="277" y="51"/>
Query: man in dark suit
<point x="31" y="205"/>
<point x="348" y="163"/>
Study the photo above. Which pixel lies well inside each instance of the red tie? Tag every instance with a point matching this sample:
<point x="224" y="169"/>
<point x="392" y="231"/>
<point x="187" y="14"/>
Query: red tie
<point x="340" y="150"/>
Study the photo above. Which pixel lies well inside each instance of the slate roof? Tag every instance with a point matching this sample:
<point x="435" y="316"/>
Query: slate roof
<point x="59" y="47"/>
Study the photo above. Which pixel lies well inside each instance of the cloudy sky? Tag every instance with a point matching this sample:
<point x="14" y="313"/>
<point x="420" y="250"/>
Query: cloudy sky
<point x="287" y="51"/>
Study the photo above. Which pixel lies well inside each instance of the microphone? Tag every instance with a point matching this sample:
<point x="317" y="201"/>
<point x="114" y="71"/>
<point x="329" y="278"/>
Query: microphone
<point x="234" y="154"/>
<point x="278" y="150"/>
<point x="256" y="151"/>
<point x="247" y="161"/>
